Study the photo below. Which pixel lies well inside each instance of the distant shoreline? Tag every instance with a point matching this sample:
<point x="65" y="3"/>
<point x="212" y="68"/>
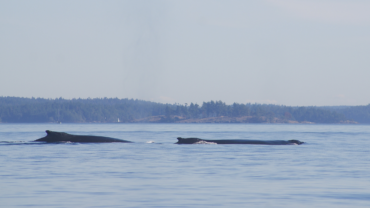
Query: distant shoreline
<point x="227" y="119"/>
<point x="217" y="120"/>
<point x="114" y="110"/>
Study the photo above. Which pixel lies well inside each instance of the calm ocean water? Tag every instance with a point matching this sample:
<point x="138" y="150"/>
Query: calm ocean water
<point x="331" y="170"/>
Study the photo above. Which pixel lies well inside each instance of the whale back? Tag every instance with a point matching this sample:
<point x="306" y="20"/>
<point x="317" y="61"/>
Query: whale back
<point x="53" y="136"/>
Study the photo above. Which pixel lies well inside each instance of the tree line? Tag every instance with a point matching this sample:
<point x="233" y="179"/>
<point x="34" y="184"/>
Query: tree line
<point x="108" y="110"/>
<point x="40" y="110"/>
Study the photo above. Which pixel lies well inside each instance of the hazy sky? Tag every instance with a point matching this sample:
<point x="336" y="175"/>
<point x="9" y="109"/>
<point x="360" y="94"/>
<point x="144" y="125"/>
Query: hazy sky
<point x="290" y="52"/>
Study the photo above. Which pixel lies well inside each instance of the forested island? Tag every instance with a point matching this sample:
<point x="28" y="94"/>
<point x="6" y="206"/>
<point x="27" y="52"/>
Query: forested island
<point x="113" y="110"/>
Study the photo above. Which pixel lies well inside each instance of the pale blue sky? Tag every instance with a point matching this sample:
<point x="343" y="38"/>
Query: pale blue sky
<point x="290" y="52"/>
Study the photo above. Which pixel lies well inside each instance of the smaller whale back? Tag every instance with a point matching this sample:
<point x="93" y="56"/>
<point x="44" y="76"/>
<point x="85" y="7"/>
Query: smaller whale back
<point x="236" y="141"/>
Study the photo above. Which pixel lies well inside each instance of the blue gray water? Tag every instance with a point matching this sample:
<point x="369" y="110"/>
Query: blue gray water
<point x="331" y="170"/>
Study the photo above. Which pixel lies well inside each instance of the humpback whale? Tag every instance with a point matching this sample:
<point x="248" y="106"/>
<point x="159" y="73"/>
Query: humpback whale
<point x="53" y="136"/>
<point x="236" y="141"/>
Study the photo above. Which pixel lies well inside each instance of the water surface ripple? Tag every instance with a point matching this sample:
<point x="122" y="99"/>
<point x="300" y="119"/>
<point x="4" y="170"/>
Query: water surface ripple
<point x="331" y="170"/>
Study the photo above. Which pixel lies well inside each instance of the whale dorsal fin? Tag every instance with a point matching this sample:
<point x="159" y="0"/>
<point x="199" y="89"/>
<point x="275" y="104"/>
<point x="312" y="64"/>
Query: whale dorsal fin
<point x="55" y="133"/>
<point x="295" y="141"/>
<point x="48" y="132"/>
<point x="187" y="140"/>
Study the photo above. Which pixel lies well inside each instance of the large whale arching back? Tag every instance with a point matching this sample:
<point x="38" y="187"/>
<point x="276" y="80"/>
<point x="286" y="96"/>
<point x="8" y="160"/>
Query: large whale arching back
<point x="53" y="136"/>
<point x="237" y="141"/>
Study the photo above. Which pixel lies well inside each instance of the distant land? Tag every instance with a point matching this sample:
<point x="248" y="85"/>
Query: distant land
<point x="114" y="110"/>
